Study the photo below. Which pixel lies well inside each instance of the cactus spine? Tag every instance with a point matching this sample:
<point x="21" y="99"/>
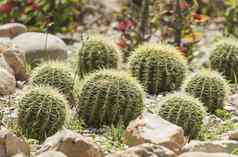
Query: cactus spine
<point x="224" y="58"/>
<point x="184" y="111"/>
<point x="95" y="53"/>
<point x="209" y="86"/>
<point x="108" y="97"/>
<point x="41" y="112"/>
<point x="158" y="67"/>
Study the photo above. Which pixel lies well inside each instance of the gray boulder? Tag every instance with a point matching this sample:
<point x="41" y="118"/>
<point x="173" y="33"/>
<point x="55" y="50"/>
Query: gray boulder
<point x="41" y="46"/>
<point x="12" y="29"/>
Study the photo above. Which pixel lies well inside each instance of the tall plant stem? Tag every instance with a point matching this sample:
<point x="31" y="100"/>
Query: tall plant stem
<point x="144" y="19"/>
<point x="178" y="24"/>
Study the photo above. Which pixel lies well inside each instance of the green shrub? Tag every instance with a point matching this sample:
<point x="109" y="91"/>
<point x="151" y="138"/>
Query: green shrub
<point x="41" y="112"/>
<point x="184" y="111"/>
<point x="223" y="114"/>
<point x="231" y="18"/>
<point x="209" y="87"/>
<point x="224" y="58"/>
<point x="108" y="97"/>
<point x="38" y="13"/>
<point x="158" y="67"/>
<point x="57" y="75"/>
<point x="95" y="53"/>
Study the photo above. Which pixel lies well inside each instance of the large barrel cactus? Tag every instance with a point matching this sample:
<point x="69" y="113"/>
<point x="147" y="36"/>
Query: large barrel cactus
<point x="41" y="112"/>
<point x="95" y="53"/>
<point x="57" y="75"/>
<point x="184" y="111"/>
<point x="209" y="86"/>
<point x="224" y="58"/>
<point x="108" y="97"/>
<point x="158" y="67"/>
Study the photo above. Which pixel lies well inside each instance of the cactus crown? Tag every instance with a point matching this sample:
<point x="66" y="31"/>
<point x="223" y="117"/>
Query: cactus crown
<point x="184" y="111"/>
<point x="159" y="67"/>
<point x="57" y="75"/>
<point x="108" y="97"/>
<point x="41" y="112"/>
<point x="224" y="58"/>
<point x="97" y="52"/>
<point x="209" y="86"/>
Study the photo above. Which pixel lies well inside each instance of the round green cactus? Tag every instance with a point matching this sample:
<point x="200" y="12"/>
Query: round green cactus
<point x="158" y="67"/>
<point x="209" y="86"/>
<point x="224" y="58"/>
<point x="184" y="111"/>
<point x="95" y="53"/>
<point x="41" y="112"/>
<point x="57" y="75"/>
<point x="108" y="97"/>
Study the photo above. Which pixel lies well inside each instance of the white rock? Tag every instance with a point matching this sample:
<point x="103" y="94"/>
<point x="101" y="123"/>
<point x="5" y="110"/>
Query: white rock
<point x="71" y="144"/>
<point x="233" y="135"/>
<point x="145" y="150"/>
<point x="149" y="128"/>
<point x="52" y="154"/>
<point x="224" y="146"/>
<point x="41" y="46"/>
<point x="11" y="145"/>
<point x="7" y="82"/>
<point x="15" y="58"/>
<point x="12" y="29"/>
<point x="201" y="154"/>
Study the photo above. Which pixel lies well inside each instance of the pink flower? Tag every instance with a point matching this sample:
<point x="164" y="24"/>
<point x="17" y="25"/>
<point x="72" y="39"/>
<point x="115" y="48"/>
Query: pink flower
<point x="7" y="7"/>
<point x="125" y="25"/>
<point x="197" y="16"/>
<point x="121" y="43"/>
<point x="183" y="50"/>
<point x="35" y="6"/>
<point x="30" y="2"/>
<point x="184" y="5"/>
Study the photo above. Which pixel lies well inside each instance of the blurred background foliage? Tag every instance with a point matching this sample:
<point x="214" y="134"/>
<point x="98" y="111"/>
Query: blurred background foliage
<point x="179" y="22"/>
<point x="40" y="13"/>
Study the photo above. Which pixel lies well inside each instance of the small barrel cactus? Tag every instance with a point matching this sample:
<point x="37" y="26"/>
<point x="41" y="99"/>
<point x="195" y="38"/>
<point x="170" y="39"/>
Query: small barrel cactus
<point x="158" y="67"/>
<point x="224" y="58"/>
<point x="184" y="111"/>
<point x="95" y="53"/>
<point x="209" y="86"/>
<point x="41" y="112"/>
<point x="57" y="75"/>
<point x="108" y="97"/>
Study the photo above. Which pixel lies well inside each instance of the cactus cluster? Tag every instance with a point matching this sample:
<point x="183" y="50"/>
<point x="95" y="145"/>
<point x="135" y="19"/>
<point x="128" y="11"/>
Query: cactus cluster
<point x="57" y="75"/>
<point x="41" y="112"/>
<point x="108" y="97"/>
<point x="209" y="86"/>
<point x="184" y="111"/>
<point x="95" y="53"/>
<point x="224" y="58"/>
<point x="158" y="67"/>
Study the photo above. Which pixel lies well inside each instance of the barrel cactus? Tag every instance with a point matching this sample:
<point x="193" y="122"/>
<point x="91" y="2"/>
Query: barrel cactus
<point x="184" y="111"/>
<point x="41" y="112"/>
<point x="158" y="67"/>
<point x="95" y="53"/>
<point x="209" y="86"/>
<point x="57" y="75"/>
<point x="224" y="58"/>
<point x="107" y="97"/>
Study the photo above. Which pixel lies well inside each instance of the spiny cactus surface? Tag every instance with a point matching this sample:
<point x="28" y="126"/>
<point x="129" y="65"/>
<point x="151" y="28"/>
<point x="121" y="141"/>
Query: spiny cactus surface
<point x="57" y="75"/>
<point x="184" y="111"/>
<point x="158" y="67"/>
<point x="108" y="97"/>
<point x="96" y="53"/>
<point x="41" y="112"/>
<point x="224" y="58"/>
<point x="209" y="86"/>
